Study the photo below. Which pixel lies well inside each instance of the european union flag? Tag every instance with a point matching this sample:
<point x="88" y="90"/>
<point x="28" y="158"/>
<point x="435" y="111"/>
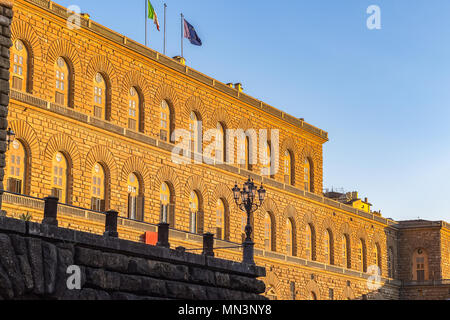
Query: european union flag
<point x="191" y="34"/>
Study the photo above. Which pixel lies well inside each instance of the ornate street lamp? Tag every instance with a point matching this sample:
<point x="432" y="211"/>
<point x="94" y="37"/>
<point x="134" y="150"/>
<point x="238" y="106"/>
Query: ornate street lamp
<point x="10" y="137"/>
<point x="249" y="199"/>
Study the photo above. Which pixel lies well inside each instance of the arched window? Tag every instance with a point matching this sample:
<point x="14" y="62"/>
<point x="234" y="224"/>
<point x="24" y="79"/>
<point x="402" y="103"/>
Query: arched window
<point x="16" y="162"/>
<point x="309" y="243"/>
<point x="62" y="76"/>
<point x="376" y="255"/>
<point x="98" y="188"/>
<point x="99" y="96"/>
<point x="267" y="161"/>
<point x="346" y="252"/>
<point x="289" y="237"/>
<point x="328" y="247"/>
<point x="312" y="296"/>
<point x="164" y="126"/>
<point x="194" y="128"/>
<point x="220" y="219"/>
<point x="268" y="232"/>
<point x="362" y="262"/>
<point x="196" y="216"/>
<point x="308" y="175"/>
<point x="288" y="168"/>
<point x="390" y="262"/>
<point x="19" y="66"/>
<point x="135" y="199"/>
<point x="133" y="109"/>
<point x="420" y="265"/>
<point x="59" y="177"/>
<point x="220" y="143"/>
<point x="167" y="206"/>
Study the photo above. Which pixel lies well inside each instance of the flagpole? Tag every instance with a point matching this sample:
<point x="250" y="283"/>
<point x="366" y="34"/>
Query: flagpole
<point x="165" y="9"/>
<point x="182" y="18"/>
<point x="146" y="17"/>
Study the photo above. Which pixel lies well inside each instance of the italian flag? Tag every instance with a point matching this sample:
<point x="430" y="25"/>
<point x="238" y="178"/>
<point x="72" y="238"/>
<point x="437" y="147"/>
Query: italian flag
<point x="152" y="15"/>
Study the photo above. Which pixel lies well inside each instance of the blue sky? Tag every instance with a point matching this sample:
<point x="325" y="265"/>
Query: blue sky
<point x="383" y="95"/>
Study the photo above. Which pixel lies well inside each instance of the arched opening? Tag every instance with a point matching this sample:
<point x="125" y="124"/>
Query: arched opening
<point x="308" y="176"/>
<point x="346" y="252"/>
<point x="167" y="204"/>
<point x="221" y="219"/>
<point x="134" y="110"/>
<point x="99" y="100"/>
<point x="290" y="238"/>
<point x="60" y="177"/>
<point x="420" y="265"/>
<point x="16" y="167"/>
<point x="195" y="130"/>
<point x="98" y="189"/>
<point x="165" y="122"/>
<point x="19" y="73"/>
<point x="362" y="255"/>
<point x="328" y="247"/>
<point x="62" y="86"/>
<point x="195" y="213"/>
<point x="310" y="242"/>
<point x="220" y="150"/>
<point x="135" y="198"/>
<point x="288" y="168"/>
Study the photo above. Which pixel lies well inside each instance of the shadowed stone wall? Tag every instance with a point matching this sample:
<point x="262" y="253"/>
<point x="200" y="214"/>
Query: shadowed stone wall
<point x="35" y="258"/>
<point x="6" y="14"/>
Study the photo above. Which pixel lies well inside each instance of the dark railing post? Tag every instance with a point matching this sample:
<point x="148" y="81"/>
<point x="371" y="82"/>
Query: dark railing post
<point x="111" y="224"/>
<point x="249" y="252"/>
<point x="163" y="235"/>
<point x="208" y="244"/>
<point x="51" y="211"/>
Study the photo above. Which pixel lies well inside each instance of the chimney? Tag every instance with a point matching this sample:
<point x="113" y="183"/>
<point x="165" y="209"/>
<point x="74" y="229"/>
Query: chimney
<point x="86" y="16"/>
<point x="238" y="87"/>
<point x="180" y="60"/>
<point x="366" y="200"/>
<point x="230" y="85"/>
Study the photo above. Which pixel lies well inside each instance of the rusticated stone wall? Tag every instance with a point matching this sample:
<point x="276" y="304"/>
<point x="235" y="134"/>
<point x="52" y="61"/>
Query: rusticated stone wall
<point x="6" y="14"/>
<point x="35" y="258"/>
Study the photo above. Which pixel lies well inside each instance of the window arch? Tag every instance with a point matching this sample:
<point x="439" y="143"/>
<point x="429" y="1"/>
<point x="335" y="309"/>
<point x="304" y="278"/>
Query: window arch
<point x="16" y="166"/>
<point x="59" y="177"/>
<point x="99" y="84"/>
<point x="221" y="143"/>
<point x="328" y="246"/>
<point x="288" y="168"/>
<point x="346" y="252"/>
<point x="165" y="122"/>
<point x="167" y="205"/>
<point x="19" y="66"/>
<point x="310" y="242"/>
<point x="62" y="87"/>
<point x="135" y="198"/>
<point x="134" y="105"/>
<point x="290" y="237"/>
<point x="376" y="255"/>
<point x="269" y="230"/>
<point x="390" y="263"/>
<point x="195" y="213"/>
<point x="195" y="129"/>
<point x="362" y="256"/>
<point x="308" y="181"/>
<point x="98" y="189"/>
<point x="221" y="212"/>
<point x="420" y="265"/>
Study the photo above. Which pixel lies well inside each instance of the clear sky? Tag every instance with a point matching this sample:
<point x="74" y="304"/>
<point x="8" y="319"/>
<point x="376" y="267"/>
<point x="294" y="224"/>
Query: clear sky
<point x="383" y="95"/>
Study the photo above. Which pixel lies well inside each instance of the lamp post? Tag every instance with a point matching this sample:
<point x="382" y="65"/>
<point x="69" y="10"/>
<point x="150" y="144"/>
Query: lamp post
<point x="247" y="200"/>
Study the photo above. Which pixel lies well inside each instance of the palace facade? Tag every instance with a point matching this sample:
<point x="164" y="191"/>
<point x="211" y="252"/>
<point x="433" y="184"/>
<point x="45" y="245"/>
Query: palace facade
<point x="93" y="114"/>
